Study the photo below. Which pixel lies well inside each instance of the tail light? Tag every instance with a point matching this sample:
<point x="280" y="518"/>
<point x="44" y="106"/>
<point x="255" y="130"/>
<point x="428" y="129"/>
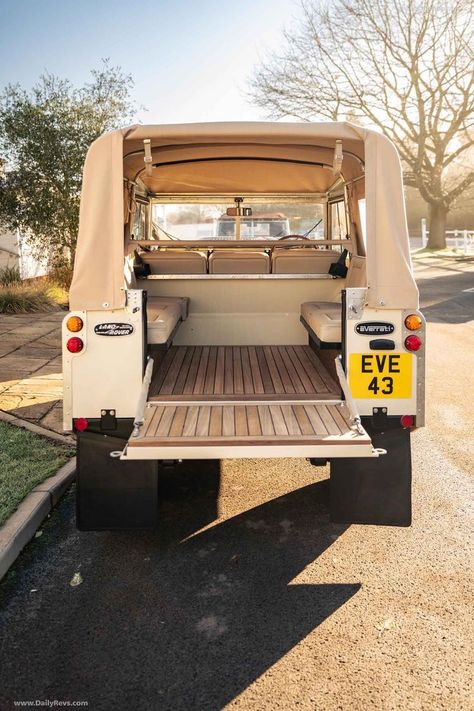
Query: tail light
<point x="81" y="424"/>
<point x="74" y="345"/>
<point x="407" y="421"/>
<point x="413" y="343"/>
<point x="74" y="324"/>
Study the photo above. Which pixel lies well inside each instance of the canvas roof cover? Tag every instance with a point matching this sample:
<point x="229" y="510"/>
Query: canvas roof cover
<point x="239" y="158"/>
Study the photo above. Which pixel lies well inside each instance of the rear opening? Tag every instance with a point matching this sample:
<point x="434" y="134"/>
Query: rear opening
<point x="228" y="323"/>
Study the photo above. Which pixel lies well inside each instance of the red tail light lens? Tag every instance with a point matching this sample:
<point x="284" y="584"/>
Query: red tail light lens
<point x="74" y="345"/>
<point x="413" y="343"/>
<point x="407" y="421"/>
<point x="81" y="424"/>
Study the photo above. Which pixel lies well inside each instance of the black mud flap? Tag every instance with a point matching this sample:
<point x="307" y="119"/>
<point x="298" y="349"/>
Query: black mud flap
<point x="112" y="494"/>
<point x="374" y="491"/>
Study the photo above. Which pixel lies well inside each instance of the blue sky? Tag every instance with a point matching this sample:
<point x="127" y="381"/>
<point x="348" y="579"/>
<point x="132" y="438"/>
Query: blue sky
<point x="190" y="60"/>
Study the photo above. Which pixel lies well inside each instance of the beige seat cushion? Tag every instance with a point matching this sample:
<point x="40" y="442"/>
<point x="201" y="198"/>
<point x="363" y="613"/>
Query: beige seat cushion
<point x="324" y="319"/>
<point x="176" y="262"/>
<point x="163" y="315"/>
<point x="304" y="260"/>
<point x="233" y="261"/>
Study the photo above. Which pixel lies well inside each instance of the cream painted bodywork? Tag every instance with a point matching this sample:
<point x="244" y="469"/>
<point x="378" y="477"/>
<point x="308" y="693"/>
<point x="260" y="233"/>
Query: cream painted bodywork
<point x="331" y="450"/>
<point x="108" y="372"/>
<point x="357" y="343"/>
<point x="245" y="311"/>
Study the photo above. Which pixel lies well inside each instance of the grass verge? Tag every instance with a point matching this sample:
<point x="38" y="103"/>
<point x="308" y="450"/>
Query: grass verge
<point x="26" y="298"/>
<point x="26" y="459"/>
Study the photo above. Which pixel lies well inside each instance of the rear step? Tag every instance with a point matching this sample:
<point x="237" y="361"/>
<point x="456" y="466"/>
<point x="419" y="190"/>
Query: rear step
<point x="247" y="429"/>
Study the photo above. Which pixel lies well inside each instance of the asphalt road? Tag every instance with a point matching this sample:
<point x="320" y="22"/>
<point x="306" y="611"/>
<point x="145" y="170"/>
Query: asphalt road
<point x="246" y="597"/>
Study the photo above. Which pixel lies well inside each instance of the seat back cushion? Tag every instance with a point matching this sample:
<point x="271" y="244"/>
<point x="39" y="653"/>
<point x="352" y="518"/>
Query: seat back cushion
<point x="176" y="262"/>
<point x="304" y="260"/>
<point x="230" y="261"/>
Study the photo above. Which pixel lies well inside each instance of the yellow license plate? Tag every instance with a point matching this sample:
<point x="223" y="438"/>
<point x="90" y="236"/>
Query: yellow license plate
<point x="380" y="375"/>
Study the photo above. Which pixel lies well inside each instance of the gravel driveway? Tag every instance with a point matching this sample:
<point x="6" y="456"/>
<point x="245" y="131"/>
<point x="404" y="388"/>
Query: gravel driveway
<point x="248" y="598"/>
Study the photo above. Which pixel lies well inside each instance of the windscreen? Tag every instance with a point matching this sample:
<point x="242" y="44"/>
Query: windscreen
<point x="267" y="221"/>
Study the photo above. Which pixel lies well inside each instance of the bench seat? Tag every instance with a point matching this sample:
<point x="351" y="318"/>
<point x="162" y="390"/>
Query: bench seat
<point x="324" y="319"/>
<point x="164" y="313"/>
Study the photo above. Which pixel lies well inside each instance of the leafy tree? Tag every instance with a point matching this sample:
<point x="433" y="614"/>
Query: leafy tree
<point x="44" y="137"/>
<point x="405" y="66"/>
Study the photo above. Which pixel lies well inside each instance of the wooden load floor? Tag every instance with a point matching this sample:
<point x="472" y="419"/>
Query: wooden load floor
<point x="217" y="401"/>
<point x="230" y="372"/>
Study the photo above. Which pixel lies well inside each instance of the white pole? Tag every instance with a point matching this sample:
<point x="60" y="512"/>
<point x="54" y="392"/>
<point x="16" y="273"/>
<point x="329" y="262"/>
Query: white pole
<point x="424" y="234"/>
<point x="465" y="242"/>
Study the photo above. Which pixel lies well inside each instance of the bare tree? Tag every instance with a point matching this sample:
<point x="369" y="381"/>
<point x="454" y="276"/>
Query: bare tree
<point x="405" y="66"/>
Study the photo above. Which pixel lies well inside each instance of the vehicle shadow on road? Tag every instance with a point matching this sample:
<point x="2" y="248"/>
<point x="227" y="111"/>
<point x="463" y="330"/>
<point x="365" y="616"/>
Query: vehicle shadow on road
<point x="166" y="622"/>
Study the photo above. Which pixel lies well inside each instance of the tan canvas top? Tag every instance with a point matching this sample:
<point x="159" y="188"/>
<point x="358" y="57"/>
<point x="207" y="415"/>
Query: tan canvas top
<point x="240" y="158"/>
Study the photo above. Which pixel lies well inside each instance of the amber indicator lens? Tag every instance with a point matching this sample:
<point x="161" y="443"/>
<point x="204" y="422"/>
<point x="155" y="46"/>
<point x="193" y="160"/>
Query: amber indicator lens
<point x="74" y="324"/>
<point x="413" y="322"/>
<point x="412" y="343"/>
<point x="74" y="345"/>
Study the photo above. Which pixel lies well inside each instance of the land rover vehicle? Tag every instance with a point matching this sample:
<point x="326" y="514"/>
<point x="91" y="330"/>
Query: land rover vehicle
<point x="179" y="346"/>
<point x="262" y="225"/>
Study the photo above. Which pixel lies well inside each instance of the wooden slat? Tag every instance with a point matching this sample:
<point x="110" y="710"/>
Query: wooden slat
<point x="284" y="375"/>
<point x="315" y="419"/>
<point x="304" y="422"/>
<point x="308" y="365"/>
<point x="162" y="370"/>
<point x="193" y="369"/>
<point x="292" y="372"/>
<point x="202" y="426"/>
<point x="256" y="375"/>
<point x="278" y="420"/>
<point x="320" y="368"/>
<point x="215" y="425"/>
<point x="177" y="425"/>
<point x="173" y="372"/>
<point x="238" y="375"/>
<point x="290" y="420"/>
<point x="165" y="422"/>
<point x="211" y="370"/>
<point x="253" y="421"/>
<point x="229" y="370"/>
<point x="201" y="373"/>
<point x="264" y="371"/>
<point x="306" y="382"/>
<point x="220" y="374"/>
<point x="266" y="420"/>
<point x="183" y="372"/>
<point x="228" y="421"/>
<point x="154" y="416"/>
<point x="329" y="421"/>
<point x="189" y="429"/>
<point x="246" y="372"/>
<point x="241" y="426"/>
<point x="274" y="374"/>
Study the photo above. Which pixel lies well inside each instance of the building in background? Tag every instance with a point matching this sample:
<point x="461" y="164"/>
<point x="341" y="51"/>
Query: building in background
<point x="15" y="251"/>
